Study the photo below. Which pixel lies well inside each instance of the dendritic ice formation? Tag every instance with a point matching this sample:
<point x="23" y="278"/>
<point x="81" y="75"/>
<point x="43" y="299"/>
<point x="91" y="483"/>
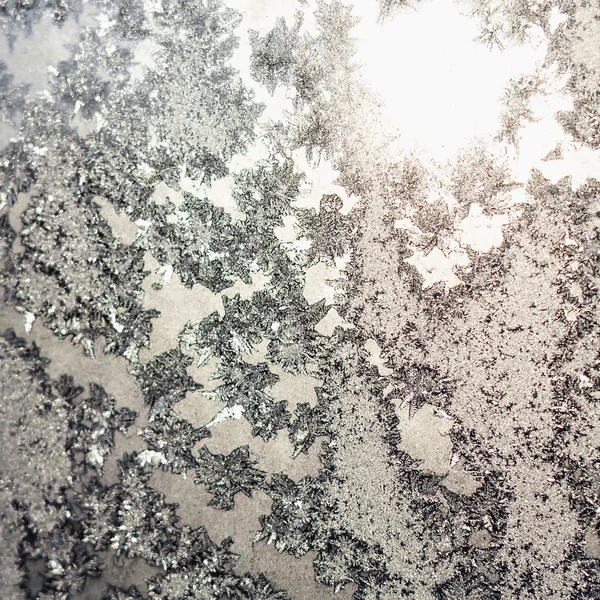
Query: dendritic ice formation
<point x="300" y="299"/>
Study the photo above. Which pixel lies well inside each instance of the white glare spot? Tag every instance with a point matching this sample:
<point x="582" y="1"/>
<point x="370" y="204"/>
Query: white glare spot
<point x="229" y="412"/>
<point x="439" y="87"/>
<point x="29" y="319"/>
<point x="436" y="267"/>
<point x="480" y="232"/>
